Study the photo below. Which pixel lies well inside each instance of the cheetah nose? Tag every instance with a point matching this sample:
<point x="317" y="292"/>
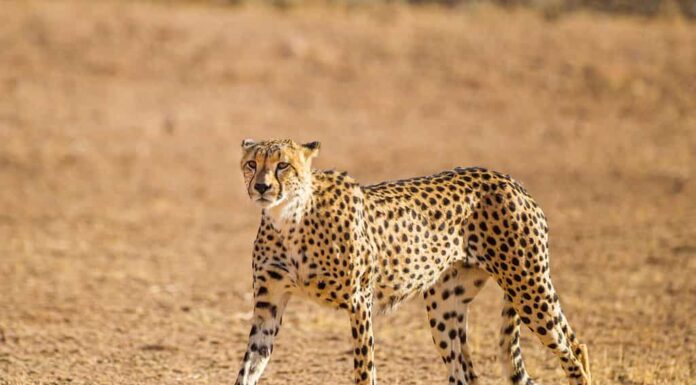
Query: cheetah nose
<point x="261" y="188"/>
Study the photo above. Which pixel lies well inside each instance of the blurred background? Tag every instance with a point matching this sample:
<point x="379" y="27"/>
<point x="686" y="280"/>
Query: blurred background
<point x="125" y="232"/>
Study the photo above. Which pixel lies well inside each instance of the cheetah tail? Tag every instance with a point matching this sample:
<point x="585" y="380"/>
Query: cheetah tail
<point x="585" y="359"/>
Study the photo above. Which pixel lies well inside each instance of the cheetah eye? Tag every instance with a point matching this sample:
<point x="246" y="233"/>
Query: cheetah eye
<point x="250" y="165"/>
<point x="283" y="165"/>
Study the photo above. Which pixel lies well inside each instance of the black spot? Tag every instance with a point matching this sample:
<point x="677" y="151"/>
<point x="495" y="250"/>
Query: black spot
<point x="274" y="275"/>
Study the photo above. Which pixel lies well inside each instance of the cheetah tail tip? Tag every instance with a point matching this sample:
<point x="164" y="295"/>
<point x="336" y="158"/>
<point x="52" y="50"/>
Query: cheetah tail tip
<point x="586" y="362"/>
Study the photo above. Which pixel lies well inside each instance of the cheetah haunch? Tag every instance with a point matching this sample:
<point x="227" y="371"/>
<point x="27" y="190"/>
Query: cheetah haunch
<point x="365" y="249"/>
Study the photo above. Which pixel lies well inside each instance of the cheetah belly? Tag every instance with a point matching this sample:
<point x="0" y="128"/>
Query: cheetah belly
<point x="322" y="280"/>
<point x="411" y="264"/>
<point x="395" y="284"/>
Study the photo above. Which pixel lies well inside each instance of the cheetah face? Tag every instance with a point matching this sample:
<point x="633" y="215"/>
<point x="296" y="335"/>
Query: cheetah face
<point x="276" y="170"/>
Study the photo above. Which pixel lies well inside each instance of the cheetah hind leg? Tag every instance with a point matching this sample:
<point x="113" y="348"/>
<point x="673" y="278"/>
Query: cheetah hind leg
<point x="510" y="351"/>
<point x="579" y="349"/>
<point x="554" y="332"/>
<point x="447" y="302"/>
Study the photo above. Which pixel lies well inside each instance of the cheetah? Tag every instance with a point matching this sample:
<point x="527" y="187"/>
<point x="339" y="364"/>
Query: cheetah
<point x="366" y="249"/>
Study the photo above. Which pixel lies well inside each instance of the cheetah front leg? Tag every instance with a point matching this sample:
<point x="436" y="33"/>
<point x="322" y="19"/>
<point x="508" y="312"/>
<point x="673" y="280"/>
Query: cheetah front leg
<point x="363" y="339"/>
<point x="269" y="304"/>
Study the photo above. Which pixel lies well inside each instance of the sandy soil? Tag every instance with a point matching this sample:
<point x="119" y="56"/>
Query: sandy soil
<point x="125" y="234"/>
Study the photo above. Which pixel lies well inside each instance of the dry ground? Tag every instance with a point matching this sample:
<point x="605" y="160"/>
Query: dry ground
<point x="125" y="234"/>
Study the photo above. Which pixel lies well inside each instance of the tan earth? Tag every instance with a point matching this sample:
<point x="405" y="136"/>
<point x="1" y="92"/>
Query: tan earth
<point x="125" y="232"/>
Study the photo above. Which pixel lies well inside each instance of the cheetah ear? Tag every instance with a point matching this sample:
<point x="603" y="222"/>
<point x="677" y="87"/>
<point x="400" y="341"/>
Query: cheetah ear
<point x="248" y="143"/>
<point x="311" y="149"/>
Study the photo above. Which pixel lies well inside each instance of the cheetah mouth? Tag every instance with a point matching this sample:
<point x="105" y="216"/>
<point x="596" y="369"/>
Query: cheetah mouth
<point x="264" y="202"/>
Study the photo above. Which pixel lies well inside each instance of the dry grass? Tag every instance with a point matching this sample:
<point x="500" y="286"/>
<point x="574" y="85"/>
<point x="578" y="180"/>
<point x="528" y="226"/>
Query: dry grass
<point x="125" y="234"/>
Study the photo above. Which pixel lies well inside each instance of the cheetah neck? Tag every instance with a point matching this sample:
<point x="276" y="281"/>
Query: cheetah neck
<point x="289" y="213"/>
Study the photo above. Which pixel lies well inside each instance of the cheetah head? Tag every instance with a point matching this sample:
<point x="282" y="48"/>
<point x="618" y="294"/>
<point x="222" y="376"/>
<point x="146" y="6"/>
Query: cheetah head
<point x="276" y="170"/>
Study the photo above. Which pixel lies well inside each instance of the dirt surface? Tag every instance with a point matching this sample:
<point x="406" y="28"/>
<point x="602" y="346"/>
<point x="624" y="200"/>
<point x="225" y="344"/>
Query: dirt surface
<point x="125" y="234"/>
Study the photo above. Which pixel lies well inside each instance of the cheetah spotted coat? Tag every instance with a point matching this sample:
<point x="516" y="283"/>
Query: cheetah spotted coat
<point x="366" y="249"/>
